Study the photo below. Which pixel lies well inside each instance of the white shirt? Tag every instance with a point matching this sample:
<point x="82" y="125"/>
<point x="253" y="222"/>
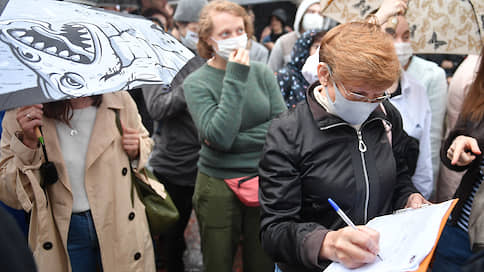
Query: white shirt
<point x="416" y="116"/>
<point x="73" y="143"/>
<point x="432" y="77"/>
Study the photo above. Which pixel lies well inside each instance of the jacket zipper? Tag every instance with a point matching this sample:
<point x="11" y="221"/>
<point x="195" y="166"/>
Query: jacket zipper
<point x="362" y="148"/>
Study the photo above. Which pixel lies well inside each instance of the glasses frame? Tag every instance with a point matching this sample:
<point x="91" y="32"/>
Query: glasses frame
<point x="360" y="97"/>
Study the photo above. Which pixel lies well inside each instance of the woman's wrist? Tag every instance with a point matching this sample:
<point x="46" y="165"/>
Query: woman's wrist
<point x="327" y="251"/>
<point x="30" y="143"/>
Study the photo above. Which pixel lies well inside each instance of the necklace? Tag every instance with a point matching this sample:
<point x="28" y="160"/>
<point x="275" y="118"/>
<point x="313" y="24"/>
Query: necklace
<point x="73" y="132"/>
<point x="74" y="122"/>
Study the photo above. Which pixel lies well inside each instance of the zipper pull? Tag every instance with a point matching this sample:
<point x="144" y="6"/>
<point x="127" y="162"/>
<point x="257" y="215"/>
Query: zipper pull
<point x="361" y="144"/>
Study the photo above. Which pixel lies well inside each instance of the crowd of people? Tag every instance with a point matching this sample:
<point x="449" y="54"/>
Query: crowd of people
<point x="322" y="109"/>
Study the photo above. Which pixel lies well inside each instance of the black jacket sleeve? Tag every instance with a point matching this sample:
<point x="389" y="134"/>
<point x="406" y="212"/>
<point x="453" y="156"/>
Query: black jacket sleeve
<point x="284" y="237"/>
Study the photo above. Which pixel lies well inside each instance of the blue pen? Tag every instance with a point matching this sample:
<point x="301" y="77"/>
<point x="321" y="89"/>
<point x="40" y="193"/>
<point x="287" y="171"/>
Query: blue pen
<point x="345" y="218"/>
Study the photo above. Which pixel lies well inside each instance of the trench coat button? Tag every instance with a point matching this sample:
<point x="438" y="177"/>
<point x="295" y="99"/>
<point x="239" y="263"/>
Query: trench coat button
<point x="137" y="256"/>
<point x="131" y="216"/>
<point x="47" y="245"/>
<point x="124" y="171"/>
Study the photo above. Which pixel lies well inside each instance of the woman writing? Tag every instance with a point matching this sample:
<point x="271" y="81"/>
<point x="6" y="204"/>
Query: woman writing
<point x="336" y="145"/>
<point x="85" y="221"/>
<point x="232" y="101"/>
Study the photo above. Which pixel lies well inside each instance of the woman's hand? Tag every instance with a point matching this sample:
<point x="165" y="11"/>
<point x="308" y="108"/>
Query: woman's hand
<point x="461" y="151"/>
<point x="266" y="32"/>
<point x="416" y="201"/>
<point x="350" y="247"/>
<point x="130" y="142"/>
<point x="240" y="56"/>
<point x="390" y="8"/>
<point x="29" y="118"/>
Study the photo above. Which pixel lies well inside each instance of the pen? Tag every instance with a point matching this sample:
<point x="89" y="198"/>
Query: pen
<point x="345" y="218"/>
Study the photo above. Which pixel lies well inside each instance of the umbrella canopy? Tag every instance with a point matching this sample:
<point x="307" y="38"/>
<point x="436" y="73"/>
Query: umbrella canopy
<point x="437" y="27"/>
<point x="52" y="50"/>
<point x="108" y="3"/>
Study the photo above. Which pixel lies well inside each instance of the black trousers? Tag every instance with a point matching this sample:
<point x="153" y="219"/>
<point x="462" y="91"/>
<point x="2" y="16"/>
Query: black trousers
<point x="171" y="244"/>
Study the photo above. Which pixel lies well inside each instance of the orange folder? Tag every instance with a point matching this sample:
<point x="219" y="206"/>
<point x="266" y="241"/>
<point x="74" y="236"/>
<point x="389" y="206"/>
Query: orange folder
<point x="424" y="265"/>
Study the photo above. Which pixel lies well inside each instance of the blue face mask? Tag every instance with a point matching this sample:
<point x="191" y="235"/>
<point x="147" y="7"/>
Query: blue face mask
<point x="353" y="112"/>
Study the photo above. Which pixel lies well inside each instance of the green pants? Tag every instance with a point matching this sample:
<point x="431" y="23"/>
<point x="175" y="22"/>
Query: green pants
<point x="224" y="222"/>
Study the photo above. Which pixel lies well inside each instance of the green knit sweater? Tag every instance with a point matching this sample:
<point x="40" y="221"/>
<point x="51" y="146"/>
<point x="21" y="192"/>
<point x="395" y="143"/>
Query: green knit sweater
<point x="232" y="110"/>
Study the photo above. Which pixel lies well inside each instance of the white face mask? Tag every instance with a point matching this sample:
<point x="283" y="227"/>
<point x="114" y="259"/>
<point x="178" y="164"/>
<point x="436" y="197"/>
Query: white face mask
<point x="404" y="52"/>
<point x="312" y="21"/>
<point x="190" y="40"/>
<point x="227" y="46"/>
<point x="310" y="68"/>
<point x="353" y="112"/>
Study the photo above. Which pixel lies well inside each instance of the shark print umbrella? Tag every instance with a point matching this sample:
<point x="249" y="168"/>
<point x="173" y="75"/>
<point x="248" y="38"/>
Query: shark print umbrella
<point x="52" y="50"/>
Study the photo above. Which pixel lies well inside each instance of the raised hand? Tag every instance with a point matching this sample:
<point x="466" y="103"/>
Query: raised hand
<point x="29" y="118"/>
<point x="240" y="56"/>
<point x="131" y="142"/>
<point x="462" y="151"/>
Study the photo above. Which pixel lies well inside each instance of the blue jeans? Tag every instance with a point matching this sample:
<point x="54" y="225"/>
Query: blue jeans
<point x="277" y="268"/>
<point x="452" y="251"/>
<point x="82" y="244"/>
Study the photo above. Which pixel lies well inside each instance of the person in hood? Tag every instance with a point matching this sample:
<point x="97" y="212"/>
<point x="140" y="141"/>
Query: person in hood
<point x="308" y="17"/>
<point x="232" y="101"/>
<point x="293" y="84"/>
<point x="336" y="145"/>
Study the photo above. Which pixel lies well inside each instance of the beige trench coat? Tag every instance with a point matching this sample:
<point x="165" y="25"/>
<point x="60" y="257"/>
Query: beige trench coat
<point x="122" y="230"/>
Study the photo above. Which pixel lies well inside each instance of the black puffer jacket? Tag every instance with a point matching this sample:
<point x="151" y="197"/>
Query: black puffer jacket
<point x="310" y="156"/>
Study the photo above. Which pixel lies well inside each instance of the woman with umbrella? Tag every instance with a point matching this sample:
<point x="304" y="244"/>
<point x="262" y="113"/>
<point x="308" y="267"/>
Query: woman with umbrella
<point x="86" y="220"/>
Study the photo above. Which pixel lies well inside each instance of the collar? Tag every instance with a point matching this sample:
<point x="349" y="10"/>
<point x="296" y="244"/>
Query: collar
<point x="112" y="101"/>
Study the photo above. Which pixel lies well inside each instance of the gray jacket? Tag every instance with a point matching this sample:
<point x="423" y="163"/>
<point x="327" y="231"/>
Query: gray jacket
<point x="175" y="154"/>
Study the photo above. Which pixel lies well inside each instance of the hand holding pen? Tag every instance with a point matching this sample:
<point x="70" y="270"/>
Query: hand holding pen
<point x="352" y="246"/>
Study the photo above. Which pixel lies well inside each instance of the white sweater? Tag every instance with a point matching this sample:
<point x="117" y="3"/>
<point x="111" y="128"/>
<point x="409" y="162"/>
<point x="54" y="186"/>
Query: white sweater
<point x="73" y="143"/>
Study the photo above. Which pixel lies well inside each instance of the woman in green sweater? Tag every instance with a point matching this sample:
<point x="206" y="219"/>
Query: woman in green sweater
<point x="232" y="101"/>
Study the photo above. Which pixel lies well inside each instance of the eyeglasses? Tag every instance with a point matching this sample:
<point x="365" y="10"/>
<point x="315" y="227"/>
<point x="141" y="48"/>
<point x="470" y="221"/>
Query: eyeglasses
<point x="360" y="97"/>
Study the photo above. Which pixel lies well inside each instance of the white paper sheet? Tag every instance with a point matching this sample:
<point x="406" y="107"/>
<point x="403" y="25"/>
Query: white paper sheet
<point x="405" y="239"/>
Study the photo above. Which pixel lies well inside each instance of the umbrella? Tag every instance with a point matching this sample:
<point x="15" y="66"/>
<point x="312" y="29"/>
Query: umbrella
<point x="248" y="2"/>
<point x="437" y="27"/>
<point x="109" y="3"/>
<point x="52" y="50"/>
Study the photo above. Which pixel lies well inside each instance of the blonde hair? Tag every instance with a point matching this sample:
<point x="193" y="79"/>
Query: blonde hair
<point x="360" y="54"/>
<point x="206" y="25"/>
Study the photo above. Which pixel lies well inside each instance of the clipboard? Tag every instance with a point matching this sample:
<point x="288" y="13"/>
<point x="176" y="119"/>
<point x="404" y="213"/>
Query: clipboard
<point x="424" y="265"/>
<point x="406" y="242"/>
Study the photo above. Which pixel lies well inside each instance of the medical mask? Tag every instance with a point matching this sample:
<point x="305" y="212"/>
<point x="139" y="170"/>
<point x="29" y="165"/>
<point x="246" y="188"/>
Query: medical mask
<point x="404" y="52"/>
<point x="310" y="68"/>
<point x="190" y="40"/>
<point x="353" y="112"/>
<point x="312" y="21"/>
<point x="227" y="46"/>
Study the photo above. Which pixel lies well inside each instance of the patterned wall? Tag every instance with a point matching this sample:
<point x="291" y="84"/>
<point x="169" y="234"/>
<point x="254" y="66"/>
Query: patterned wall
<point x="437" y="26"/>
